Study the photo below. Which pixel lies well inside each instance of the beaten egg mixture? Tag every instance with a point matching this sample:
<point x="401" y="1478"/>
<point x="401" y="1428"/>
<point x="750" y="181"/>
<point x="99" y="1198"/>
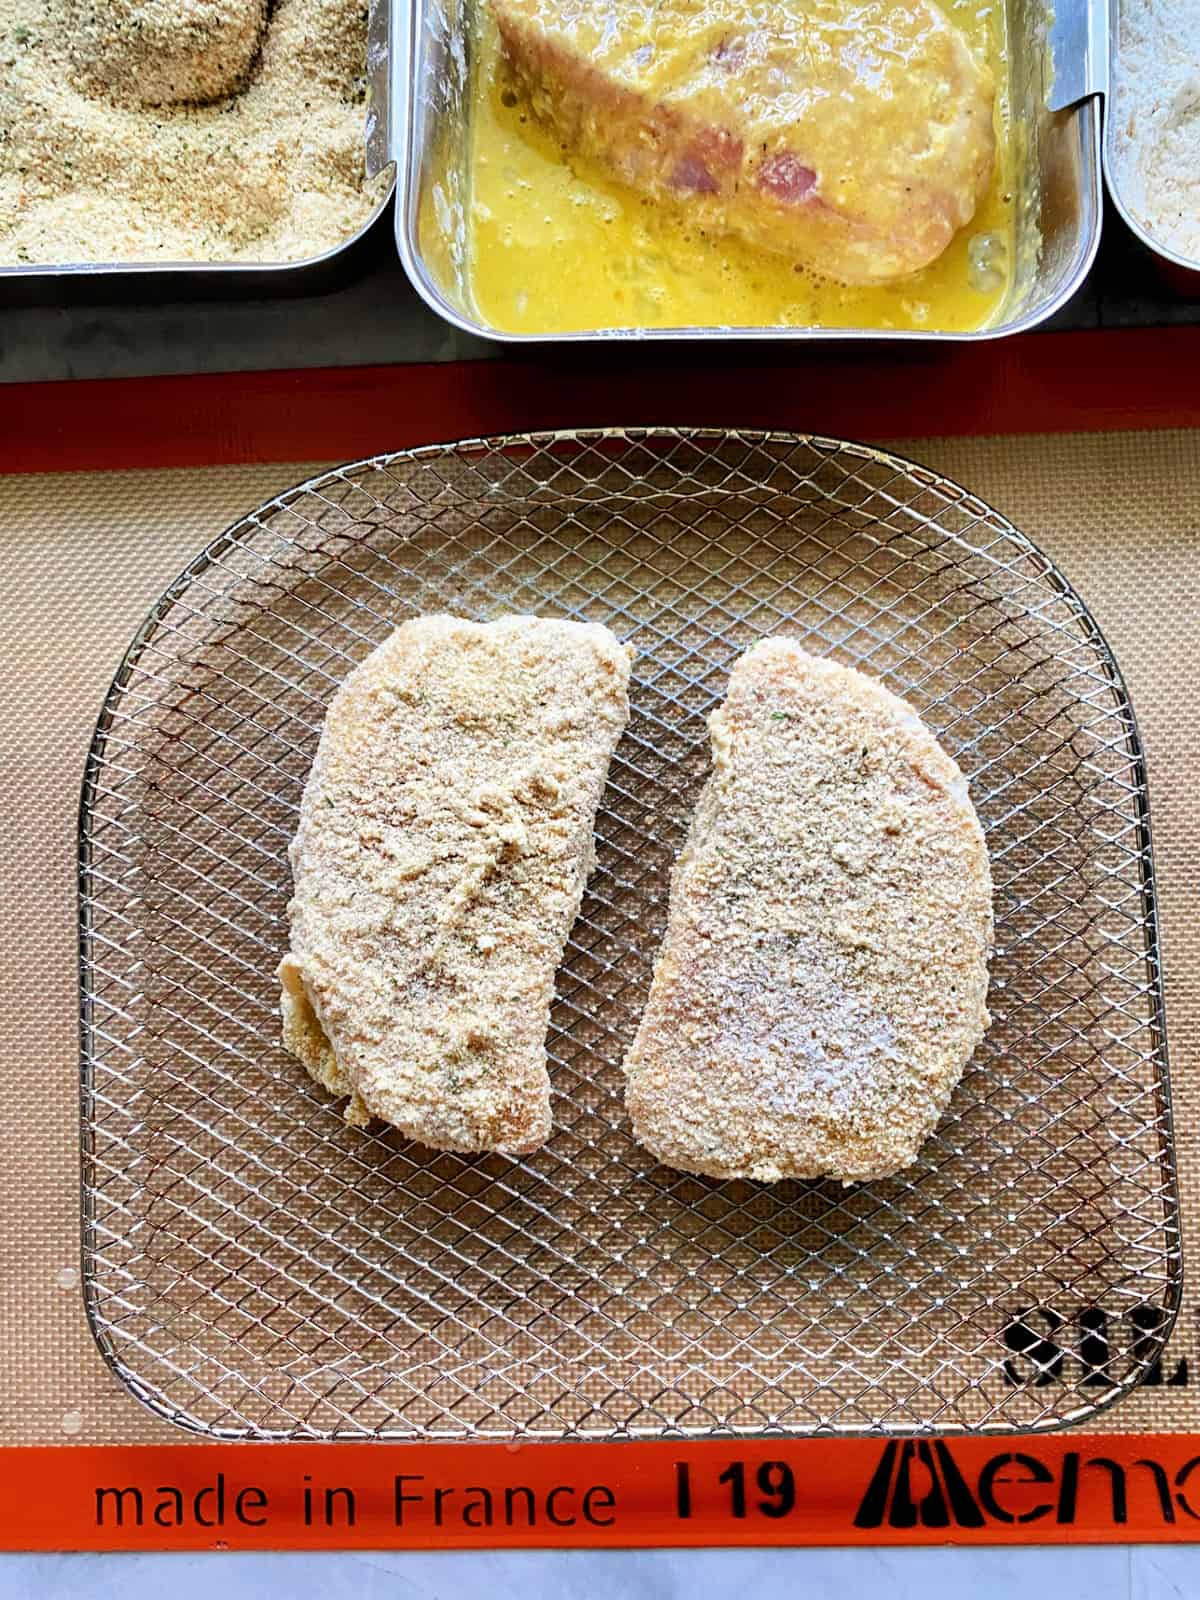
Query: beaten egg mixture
<point x="555" y="245"/>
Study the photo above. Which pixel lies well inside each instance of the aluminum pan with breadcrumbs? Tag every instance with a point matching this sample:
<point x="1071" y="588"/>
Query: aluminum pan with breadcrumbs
<point x="135" y="282"/>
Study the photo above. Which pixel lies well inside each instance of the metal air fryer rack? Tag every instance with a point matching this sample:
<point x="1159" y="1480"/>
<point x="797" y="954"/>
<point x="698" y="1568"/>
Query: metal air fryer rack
<point x="256" y="1269"/>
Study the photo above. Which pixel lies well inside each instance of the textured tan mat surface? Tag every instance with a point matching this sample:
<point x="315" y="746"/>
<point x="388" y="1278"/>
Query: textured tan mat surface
<point x="83" y="556"/>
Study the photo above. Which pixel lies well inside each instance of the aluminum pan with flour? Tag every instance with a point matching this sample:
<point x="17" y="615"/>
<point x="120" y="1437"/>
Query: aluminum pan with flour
<point x="254" y="1268"/>
<point x="1186" y="273"/>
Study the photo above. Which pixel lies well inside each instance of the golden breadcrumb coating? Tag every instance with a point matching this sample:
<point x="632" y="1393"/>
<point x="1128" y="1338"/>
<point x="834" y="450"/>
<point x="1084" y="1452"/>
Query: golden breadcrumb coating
<point x="445" y="838"/>
<point x="823" y="979"/>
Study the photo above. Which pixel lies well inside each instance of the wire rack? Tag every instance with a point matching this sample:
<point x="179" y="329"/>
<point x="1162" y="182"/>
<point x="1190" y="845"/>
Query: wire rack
<point x="257" y="1269"/>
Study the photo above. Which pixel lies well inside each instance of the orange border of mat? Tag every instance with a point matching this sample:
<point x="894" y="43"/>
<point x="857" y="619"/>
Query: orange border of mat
<point x="1060" y="1489"/>
<point x="1097" y="1490"/>
<point x="1047" y="383"/>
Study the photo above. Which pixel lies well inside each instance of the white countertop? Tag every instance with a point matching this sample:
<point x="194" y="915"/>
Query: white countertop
<point x="1055" y="1573"/>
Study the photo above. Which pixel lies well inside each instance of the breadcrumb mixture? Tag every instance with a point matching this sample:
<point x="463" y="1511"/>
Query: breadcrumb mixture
<point x="181" y="130"/>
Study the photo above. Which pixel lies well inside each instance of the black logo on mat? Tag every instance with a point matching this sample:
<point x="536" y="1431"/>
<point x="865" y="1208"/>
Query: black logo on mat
<point x="944" y="1500"/>
<point x="918" y="1484"/>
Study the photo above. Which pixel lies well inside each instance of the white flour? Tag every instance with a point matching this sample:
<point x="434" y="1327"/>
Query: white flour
<point x="1156" y="104"/>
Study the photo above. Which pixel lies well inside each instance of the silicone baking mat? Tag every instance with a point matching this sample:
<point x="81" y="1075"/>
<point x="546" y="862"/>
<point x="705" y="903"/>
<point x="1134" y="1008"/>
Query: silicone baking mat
<point x="85" y="555"/>
<point x="258" y="1270"/>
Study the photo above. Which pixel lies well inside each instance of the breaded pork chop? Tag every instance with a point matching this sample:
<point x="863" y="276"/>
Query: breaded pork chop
<point x="853" y="136"/>
<point x="823" y="979"/>
<point x="445" y="838"/>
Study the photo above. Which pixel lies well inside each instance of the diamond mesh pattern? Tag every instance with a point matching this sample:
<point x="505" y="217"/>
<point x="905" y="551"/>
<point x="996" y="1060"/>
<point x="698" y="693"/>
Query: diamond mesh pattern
<point x="255" y="1268"/>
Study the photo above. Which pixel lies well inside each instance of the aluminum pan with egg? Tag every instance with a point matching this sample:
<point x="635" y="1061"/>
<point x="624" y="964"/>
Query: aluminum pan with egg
<point x="576" y="266"/>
